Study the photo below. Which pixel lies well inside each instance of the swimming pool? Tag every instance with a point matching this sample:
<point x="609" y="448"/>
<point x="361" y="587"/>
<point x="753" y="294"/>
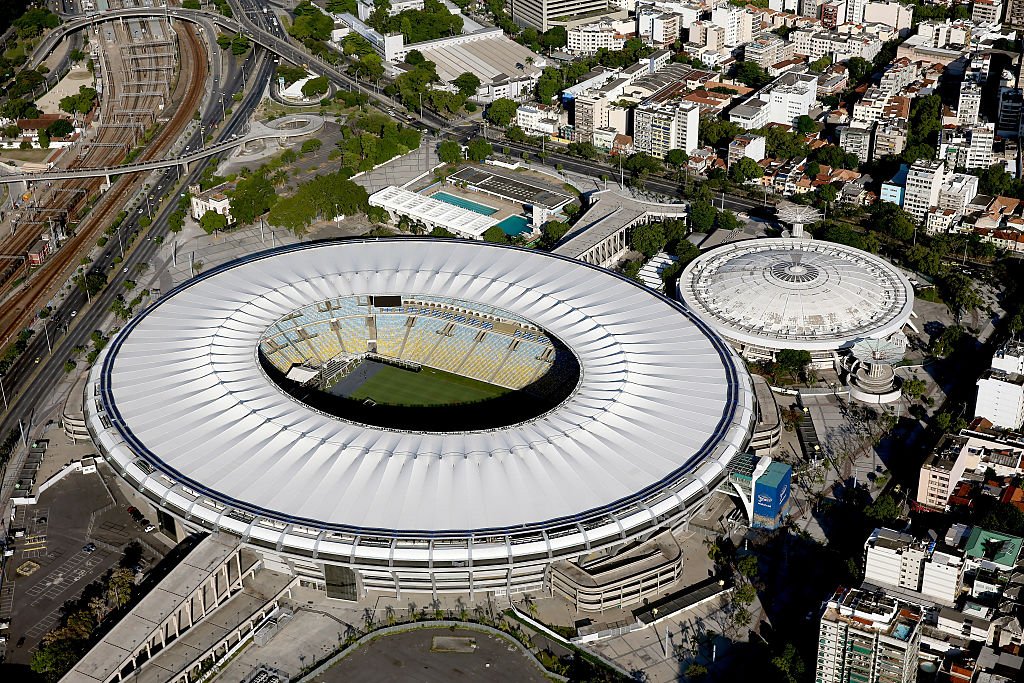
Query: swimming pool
<point x="464" y="203"/>
<point x="515" y="225"/>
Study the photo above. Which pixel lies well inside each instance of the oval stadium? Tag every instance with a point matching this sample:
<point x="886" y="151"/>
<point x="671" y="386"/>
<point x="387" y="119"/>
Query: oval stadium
<point x="419" y="415"/>
<point x="767" y="295"/>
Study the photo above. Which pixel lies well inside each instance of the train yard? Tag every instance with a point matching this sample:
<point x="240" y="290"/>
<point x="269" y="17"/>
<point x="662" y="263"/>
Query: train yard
<point x="151" y="77"/>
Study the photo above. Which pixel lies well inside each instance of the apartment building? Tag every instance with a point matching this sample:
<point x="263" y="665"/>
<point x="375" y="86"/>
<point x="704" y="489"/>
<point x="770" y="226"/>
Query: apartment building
<point x="958" y="192"/>
<point x="603" y="34"/>
<point x="969" y="104"/>
<point x="832" y="13"/>
<point x="660" y="127"/>
<point x="890" y="138"/>
<point x="789" y="97"/>
<point x="657" y="27"/>
<point x="768" y="50"/>
<point x="1000" y="398"/>
<point x="748" y="146"/>
<point x="924" y="182"/>
<point x="894" y="14"/>
<point x="866" y="636"/>
<point x="737" y="22"/>
<point x="987" y="12"/>
<point x="1011" y="104"/>
<point x="897" y="560"/>
<point x="538" y="120"/>
<point x="856" y="139"/>
<point x="1015" y="14"/>
<point x="967" y="146"/>
<point x="840" y="46"/>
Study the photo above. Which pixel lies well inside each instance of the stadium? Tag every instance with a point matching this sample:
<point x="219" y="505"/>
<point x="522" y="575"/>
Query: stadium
<point x="419" y="415"/>
<point x="767" y="295"/>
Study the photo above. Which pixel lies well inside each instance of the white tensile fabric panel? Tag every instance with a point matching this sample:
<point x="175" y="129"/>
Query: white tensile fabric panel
<point x="655" y="389"/>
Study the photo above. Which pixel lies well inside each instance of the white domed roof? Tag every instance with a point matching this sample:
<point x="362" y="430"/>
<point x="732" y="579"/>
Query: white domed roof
<point x="799" y="294"/>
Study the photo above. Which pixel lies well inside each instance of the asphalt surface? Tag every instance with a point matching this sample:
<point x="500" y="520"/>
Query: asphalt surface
<point x="31" y="378"/>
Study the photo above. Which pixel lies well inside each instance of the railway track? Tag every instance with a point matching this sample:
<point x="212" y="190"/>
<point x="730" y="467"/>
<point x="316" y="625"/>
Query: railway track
<point x="19" y="310"/>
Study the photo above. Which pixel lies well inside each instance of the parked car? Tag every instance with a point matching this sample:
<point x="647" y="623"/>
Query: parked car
<point x="89" y="548"/>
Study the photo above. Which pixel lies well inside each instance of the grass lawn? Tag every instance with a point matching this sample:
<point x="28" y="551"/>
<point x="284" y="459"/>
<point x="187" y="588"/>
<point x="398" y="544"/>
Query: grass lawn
<point x="428" y="387"/>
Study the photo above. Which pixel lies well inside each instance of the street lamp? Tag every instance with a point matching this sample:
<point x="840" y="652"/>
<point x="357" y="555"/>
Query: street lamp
<point x="3" y="394"/>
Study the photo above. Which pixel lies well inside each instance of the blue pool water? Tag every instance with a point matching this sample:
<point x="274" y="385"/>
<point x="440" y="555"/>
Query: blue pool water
<point x="464" y="203"/>
<point x="515" y="225"/>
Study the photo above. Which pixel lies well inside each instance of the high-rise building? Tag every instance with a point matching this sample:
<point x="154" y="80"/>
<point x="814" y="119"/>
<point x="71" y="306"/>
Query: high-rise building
<point x="833" y="13"/>
<point x="1011" y="102"/>
<point x="1001" y="399"/>
<point x="970" y="103"/>
<point x="987" y="11"/>
<point x="767" y="50"/>
<point x="656" y="27"/>
<point x="924" y="182"/>
<point x="737" y="22"/>
<point x="1015" y="14"/>
<point x="540" y="13"/>
<point x="890" y="138"/>
<point x="856" y="139"/>
<point x="868" y="637"/>
<point x="660" y="127"/>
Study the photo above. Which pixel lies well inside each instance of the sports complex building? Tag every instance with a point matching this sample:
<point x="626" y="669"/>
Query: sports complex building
<point x="421" y="415"/>
<point x="767" y="295"/>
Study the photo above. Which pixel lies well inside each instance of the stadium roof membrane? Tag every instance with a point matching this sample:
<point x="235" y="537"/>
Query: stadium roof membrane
<point x="797" y="293"/>
<point x="661" y="400"/>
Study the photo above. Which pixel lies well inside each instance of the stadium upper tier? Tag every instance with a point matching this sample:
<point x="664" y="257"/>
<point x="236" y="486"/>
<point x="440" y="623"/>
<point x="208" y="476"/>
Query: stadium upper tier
<point x="182" y="408"/>
<point x="448" y="334"/>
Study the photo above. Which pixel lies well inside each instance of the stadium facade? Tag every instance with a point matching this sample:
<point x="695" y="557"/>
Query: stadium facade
<point x="767" y="295"/>
<point x="188" y="405"/>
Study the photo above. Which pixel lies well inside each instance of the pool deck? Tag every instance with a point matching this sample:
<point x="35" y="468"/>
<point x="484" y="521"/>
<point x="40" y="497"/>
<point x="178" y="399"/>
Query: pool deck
<point x="503" y="209"/>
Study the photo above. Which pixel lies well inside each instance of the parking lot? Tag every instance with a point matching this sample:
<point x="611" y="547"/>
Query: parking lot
<point x="73" y="535"/>
<point x="410" y="657"/>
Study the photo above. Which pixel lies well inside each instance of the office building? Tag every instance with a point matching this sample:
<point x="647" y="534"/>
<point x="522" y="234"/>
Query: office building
<point x="540" y="13"/>
<point x="868" y="637"/>
<point x="924" y="182"/>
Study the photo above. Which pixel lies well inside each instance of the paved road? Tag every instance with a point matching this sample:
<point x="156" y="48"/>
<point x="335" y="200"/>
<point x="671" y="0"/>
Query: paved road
<point x="312" y="124"/>
<point x="28" y="382"/>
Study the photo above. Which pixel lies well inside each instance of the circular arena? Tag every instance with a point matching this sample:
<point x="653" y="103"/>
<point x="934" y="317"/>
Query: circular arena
<point x="766" y="295"/>
<point x="420" y="415"/>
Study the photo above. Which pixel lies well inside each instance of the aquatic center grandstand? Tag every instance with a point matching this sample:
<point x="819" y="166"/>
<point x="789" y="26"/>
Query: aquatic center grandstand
<point x="188" y="404"/>
<point x="511" y="187"/>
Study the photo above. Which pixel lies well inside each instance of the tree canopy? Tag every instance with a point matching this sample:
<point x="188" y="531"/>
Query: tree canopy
<point x="501" y="112"/>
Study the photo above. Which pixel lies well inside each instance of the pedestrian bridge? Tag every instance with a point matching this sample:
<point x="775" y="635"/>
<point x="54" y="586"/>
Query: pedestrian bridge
<point x="292" y="126"/>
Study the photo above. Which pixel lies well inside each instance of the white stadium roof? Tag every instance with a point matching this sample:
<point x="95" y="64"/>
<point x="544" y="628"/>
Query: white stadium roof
<point x="187" y="414"/>
<point x="797" y="293"/>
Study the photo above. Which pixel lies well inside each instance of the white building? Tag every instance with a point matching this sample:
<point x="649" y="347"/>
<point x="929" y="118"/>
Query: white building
<point x="969" y="104"/>
<point x="214" y="199"/>
<point x="896" y="560"/>
<point x="924" y="182"/>
<point x="865" y="635"/>
<point x="987" y="12"/>
<point x="657" y="27"/>
<point x="1000" y="398"/>
<point x="737" y="22"/>
<point x="768" y="50"/>
<point x="957" y="192"/>
<point x="886" y="12"/>
<point x="660" y="127"/>
<point x="840" y="46"/>
<point x="856" y="139"/>
<point x="602" y="34"/>
<point x="433" y="213"/>
<point x="786" y="99"/>
<point x="537" y="120"/>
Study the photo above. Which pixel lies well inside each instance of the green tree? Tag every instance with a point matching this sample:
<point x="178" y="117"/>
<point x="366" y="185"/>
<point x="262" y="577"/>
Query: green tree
<point x="790" y="665"/>
<point x="750" y="74"/>
<point x="717" y="132"/>
<point x="44" y="139"/>
<point x="792" y="361"/>
<point x="252" y="197"/>
<point x="478" y="149"/>
<point x="914" y="388"/>
<point x="311" y="145"/>
<point x="211" y="221"/>
<point x="501" y="112"/>
<point x="648" y="239"/>
<point x="495" y="234"/>
<point x="61" y="128"/>
<point x="315" y="87"/>
<point x="677" y="159"/>
<point x="745" y="169"/>
<point x="806" y="125"/>
<point x="467" y="83"/>
<point x="702" y="216"/>
<point x="819" y="65"/>
<point x="449" y="152"/>
<point x="883" y="511"/>
<point x="858" y="69"/>
<point x="553" y="231"/>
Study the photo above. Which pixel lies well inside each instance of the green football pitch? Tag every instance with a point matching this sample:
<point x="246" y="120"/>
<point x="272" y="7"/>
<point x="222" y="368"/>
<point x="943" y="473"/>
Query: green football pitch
<point x="428" y="387"/>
